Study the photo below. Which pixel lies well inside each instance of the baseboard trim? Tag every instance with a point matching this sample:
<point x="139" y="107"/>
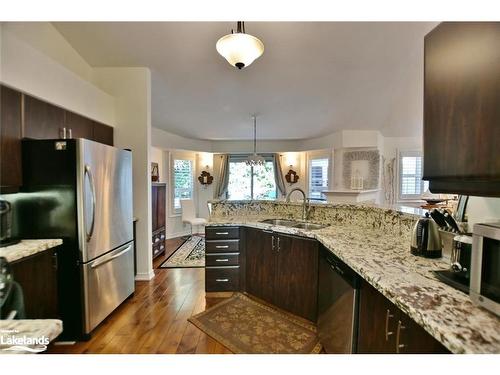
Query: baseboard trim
<point x="145" y="276"/>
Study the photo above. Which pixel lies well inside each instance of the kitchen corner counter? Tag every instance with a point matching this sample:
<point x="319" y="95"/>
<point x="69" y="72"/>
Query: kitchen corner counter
<point x="383" y="259"/>
<point x="36" y="334"/>
<point x="26" y="248"/>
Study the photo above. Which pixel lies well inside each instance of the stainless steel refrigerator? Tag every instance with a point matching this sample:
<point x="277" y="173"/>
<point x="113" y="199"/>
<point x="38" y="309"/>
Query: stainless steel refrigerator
<point x="81" y="191"/>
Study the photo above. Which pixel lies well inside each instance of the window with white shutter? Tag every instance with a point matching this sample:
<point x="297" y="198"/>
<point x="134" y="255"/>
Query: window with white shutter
<point x="411" y="185"/>
<point x="182" y="182"/>
<point x="318" y="177"/>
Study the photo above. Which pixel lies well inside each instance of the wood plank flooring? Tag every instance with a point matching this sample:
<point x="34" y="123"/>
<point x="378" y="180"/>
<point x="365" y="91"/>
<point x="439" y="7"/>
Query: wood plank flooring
<point x="154" y="319"/>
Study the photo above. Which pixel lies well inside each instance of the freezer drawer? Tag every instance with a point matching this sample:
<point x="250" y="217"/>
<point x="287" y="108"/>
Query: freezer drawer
<point x="108" y="281"/>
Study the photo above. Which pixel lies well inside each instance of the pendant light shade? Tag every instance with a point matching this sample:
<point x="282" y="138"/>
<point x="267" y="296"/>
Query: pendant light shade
<point x="240" y="49"/>
<point x="255" y="159"/>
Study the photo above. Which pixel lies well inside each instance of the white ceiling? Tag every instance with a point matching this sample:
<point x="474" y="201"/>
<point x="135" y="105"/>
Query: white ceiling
<point x="313" y="78"/>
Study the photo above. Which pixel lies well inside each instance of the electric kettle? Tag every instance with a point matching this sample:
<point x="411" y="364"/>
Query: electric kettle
<point x="425" y="240"/>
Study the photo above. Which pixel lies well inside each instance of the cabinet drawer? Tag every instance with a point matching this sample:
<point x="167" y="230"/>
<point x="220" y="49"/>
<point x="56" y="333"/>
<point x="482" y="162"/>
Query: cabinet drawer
<point x="222" y="259"/>
<point x="227" y="246"/>
<point x="158" y="238"/>
<point x="225" y="279"/>
<point x="220" y="233"/>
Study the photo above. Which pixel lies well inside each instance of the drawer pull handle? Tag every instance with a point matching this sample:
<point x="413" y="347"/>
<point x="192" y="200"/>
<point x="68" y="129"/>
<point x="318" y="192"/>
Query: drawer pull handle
<point x="222" y="260"/>
<point x="398" y="336"/>
<point x="157" y="239"/>
<point x="222" y="280"/>
<point x="222" y="246"/>
<point x="222" y="233"/>
<point x="388" y="316"/>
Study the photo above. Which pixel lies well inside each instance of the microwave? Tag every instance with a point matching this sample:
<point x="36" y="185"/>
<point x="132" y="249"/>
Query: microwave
<point x="485" y="266"/>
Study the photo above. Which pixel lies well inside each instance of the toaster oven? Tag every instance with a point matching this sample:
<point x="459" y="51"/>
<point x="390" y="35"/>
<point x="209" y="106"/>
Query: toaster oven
<point x="485" y="267"/>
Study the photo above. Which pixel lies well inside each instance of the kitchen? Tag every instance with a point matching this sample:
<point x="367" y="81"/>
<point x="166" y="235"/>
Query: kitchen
<point x="141" y="215"/>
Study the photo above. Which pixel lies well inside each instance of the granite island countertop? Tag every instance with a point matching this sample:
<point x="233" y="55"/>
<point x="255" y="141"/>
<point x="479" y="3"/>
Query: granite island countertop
<point x="26" y="248"/>
<point x="35" y="334"/>
<point x="383" y="259"/>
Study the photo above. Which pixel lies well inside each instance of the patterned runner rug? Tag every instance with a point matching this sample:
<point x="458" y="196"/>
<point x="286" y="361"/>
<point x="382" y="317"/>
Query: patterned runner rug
<point x="246" y="326"/>
<point x="190" y="254"/>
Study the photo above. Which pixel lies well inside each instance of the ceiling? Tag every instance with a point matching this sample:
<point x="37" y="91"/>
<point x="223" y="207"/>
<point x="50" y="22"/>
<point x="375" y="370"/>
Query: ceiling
<point x="313" y="78"/>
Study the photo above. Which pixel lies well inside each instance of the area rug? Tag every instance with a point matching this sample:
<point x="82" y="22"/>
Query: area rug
<point x="190" y="254"/>
<point x="246" y="326"/>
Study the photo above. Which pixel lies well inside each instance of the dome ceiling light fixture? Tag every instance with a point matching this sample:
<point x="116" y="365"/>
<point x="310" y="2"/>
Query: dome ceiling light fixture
<point x="255" y="159"/>
<point x="238" y="48"/>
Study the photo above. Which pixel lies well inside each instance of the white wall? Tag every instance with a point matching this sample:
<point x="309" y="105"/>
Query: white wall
<point x="482" y="210"/>
<point x="131" y="88"/>
<point x="37" y="60"/>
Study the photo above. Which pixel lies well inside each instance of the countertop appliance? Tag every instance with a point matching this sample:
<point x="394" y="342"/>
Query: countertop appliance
<point x="6" y="238"/>
<point x="81" y="191"/>
<point x="425" y="240"/>
<point x="485" y="266"/>
<point x="458" y="275"/>
<point x="337" y="304"/>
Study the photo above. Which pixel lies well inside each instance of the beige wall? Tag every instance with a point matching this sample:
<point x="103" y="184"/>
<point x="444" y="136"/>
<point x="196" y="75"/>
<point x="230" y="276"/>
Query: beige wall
<point x="37" y="60"/>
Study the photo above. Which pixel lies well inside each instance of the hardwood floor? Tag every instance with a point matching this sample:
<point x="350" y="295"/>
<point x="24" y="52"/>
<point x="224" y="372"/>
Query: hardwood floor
<point x="154" y="319"/>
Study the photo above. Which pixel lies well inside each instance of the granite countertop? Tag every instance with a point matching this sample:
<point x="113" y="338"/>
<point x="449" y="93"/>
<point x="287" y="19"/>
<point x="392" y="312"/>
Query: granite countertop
<point x="28" y="336"/>
<point x="25" y="248"/>
<point x="384" y="261"/>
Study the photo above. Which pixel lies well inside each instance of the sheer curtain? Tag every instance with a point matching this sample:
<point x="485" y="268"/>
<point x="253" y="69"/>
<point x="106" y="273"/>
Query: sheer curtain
<point x="223" y="178"/>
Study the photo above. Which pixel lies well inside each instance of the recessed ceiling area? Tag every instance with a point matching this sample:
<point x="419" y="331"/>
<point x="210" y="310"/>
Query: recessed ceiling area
<point x="313" y="79"/>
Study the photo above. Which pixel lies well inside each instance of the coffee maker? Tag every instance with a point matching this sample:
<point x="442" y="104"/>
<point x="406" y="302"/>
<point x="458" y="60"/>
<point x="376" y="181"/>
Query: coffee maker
<point x="6" y="238"/>
<point x="425" y="240"/>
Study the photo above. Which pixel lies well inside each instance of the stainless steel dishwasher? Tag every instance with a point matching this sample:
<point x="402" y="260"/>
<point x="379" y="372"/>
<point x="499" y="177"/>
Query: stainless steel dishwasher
<point x="337" y="304"/>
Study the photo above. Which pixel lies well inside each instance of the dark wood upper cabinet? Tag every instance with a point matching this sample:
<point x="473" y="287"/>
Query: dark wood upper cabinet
<point x="10" y="148"/>
<point x="462" y="108"/>
<point x="102" y="133"/>
<point x="42" y="120"/>
<point x="81" y="127"/>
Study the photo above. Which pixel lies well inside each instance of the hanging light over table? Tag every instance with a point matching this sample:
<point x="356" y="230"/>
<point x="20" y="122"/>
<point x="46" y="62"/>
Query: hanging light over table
<point x="255" y="159"/>
<point x="239" y="49"/>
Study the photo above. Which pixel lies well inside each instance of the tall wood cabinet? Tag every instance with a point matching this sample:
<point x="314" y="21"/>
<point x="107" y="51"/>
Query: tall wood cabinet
<point x="158" y="217"/>
<point x="10" y="138"/>
<point x="462" y="108"/>
<point x="23" y="116"/>
<point x="283" y="270"/>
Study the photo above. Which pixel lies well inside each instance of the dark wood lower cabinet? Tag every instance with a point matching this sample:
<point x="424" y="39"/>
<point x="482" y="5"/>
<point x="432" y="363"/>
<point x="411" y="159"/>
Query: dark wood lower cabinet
<point x="384" y="328"/>
<point x="283" y="270"/>
<point x="37" y="275"/>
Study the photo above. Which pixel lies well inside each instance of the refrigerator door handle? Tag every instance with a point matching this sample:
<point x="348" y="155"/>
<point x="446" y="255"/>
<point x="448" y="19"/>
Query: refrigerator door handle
<point x="88" y="172"/>
<point x="110" y="258"/>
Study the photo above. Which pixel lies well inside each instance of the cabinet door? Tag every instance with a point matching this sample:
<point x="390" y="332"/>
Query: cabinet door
<point x="377" y="322"/>
<point x="37" y="275"/>
<point x="10" y="138"/>
<point x="461" y="108"/>
<point x="160" y="206"/>
<point x="154" y="205"/>
<point x="413" y="339"/>
<point x="81" y="127"/>
<point x="296" y="287"/>
<point x="42" y="120"/>
<point x="261" y="264"/>
<point x="102" y="133"/>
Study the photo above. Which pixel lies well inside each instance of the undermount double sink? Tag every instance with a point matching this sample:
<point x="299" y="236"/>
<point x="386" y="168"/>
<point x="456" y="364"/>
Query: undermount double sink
<point x="294" y="224"/>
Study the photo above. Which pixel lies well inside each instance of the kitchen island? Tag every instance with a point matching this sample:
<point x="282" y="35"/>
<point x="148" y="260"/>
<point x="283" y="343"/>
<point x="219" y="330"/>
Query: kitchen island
<point x="374" y="242"/>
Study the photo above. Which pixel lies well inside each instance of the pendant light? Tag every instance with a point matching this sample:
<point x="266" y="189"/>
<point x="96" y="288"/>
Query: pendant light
<point x="239" y="49"/>
<point x="255" y="159"/>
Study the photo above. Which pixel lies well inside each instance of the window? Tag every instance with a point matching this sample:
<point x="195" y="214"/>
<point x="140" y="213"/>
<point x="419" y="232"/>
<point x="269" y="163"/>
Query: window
<point x="318" y="177"/>
<point x="411" y="185"/>
<point x="182" y="181"/>
<point x="246" y="182"/>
